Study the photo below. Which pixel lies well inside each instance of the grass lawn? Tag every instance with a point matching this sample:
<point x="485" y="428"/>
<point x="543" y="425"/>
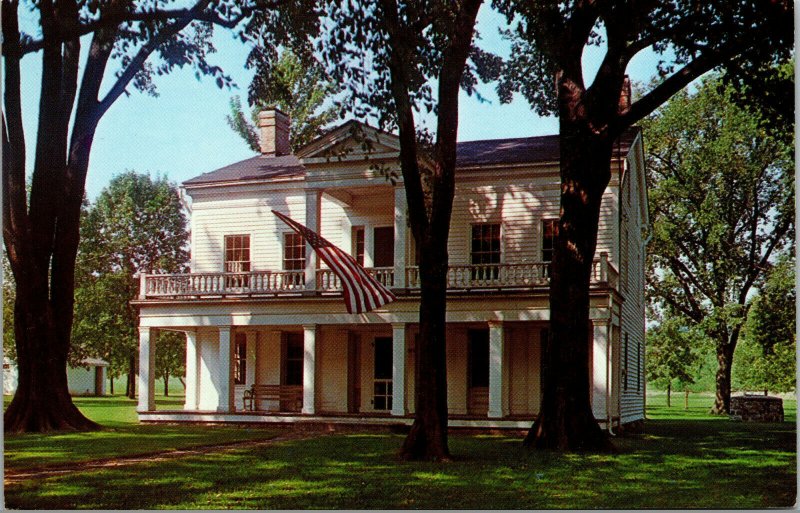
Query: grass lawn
<point x="122" y="435"/>
<point x="681" y="461"/>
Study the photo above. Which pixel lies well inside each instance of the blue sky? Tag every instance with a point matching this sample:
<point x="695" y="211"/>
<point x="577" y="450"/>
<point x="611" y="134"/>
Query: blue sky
<point x="182" y="133"/>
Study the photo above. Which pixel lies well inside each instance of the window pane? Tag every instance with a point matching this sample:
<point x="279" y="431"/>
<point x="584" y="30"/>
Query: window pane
<point x="240" y="362"/>
<point x="294" y="252"/>
<point x="237" y="253"/>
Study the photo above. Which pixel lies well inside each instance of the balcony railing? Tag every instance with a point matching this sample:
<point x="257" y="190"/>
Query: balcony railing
<point x="270" y="283"/>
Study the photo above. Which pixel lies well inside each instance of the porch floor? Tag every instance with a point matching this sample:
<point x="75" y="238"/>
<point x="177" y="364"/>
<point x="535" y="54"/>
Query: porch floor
<point x="371" y="419"/>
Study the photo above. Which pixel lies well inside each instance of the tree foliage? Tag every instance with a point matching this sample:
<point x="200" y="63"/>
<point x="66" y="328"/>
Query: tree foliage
<point x="721" y="205"/>
<point x="130" y="43"/>
<point x="766" y="359"/>
<point x="136" y="225"/>
<point x="300" y="88"/>
<point x="672" y="354"/>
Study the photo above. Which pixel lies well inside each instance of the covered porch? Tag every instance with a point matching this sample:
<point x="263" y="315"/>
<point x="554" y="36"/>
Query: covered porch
<point x="360" y="373"/>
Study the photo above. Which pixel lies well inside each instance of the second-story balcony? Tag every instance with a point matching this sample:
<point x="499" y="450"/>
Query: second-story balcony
<point x="460" y="278"/>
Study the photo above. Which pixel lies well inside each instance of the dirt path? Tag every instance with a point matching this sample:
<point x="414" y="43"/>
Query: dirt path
<point x="16" y="476"/>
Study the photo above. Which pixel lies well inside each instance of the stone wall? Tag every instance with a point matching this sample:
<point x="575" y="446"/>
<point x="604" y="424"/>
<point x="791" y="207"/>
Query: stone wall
<point x="756" y="408"/>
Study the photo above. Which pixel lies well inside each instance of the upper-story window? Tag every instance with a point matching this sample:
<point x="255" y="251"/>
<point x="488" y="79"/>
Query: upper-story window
<point x="358" y="244"/>
<point x="549" y="227"/>
<point x="485" y="250"/>
<point x="294" y="252"/>
<point x="237" y="253"/>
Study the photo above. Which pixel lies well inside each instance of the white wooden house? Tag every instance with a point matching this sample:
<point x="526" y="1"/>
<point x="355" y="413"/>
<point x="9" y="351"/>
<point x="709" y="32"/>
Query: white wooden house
<point x="258" y="308"/>
<point x="86" y="378"/>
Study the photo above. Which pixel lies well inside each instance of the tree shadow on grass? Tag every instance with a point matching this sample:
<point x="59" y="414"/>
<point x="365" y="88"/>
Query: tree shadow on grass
<point x="671" y="465"/>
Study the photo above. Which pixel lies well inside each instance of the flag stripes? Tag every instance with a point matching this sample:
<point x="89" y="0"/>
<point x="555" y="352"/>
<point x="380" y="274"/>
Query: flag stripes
<point x="362" y="292"/>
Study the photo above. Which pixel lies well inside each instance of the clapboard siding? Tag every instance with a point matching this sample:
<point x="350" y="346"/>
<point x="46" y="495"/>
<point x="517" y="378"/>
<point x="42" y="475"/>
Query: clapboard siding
<point x="632" y="287"/>
<point x="520" y="209"/>
<point x="214" y="218"/>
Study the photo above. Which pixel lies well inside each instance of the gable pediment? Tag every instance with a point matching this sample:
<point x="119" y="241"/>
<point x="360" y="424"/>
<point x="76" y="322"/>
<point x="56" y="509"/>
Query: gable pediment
<point x="352" y="140"/>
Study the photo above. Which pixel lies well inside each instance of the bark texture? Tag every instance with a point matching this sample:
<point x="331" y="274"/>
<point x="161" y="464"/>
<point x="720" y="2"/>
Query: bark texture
<point x="565" y="420"/>
<point x="430" y="226"/>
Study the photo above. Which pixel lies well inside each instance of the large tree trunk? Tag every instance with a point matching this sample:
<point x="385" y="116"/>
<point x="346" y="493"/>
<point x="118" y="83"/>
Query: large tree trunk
<point x="722" y="400"/>
<point x="669" y="392"/>
<point x="41" y="234"/>
<point x="427" y="439"/>
<point x="565" y="420"/>
<point x="42" y="401"/>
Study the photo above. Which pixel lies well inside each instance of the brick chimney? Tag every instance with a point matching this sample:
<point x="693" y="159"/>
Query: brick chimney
<point x="274" y="126"/>
<point x="625" y="96"/>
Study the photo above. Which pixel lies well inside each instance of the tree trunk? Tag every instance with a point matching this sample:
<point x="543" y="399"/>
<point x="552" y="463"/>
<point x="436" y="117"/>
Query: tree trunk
<point x="565" y="420"/>
<point x="427" y="439"/>
<point x="686" y="399"/>
<point x="111" y="384"/>
<point x="130" y="389"/>
<point x="669" y="391"/>
<point x="166" y="385"/>
<point x="722" y="400"/>
<point x="42" y="401"/>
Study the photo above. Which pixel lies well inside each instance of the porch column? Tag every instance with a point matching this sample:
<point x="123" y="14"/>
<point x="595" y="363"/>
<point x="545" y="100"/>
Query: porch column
<point x="398" y="368"/>
<point x="313" y="206"/>
<point x="599" y="369"/>
<point x="400" y="231"/>
<point x="224" y="370"/>
<point x="191" y="371"/>
<point x="309" y="367"/>
<point x="147" y="361"/>
<point x="495" y="369"/>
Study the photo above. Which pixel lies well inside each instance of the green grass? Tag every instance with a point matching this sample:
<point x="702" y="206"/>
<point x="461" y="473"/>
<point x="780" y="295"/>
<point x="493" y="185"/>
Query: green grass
<point x="121" y="436"/>
<point x="683" y="460"/>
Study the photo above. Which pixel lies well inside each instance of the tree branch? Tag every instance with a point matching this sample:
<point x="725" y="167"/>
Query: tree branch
<point x="15" y="216"/>
<point x="119" y="17"/>
<point x="135" y="65"/>
<point x="664" y="91"/>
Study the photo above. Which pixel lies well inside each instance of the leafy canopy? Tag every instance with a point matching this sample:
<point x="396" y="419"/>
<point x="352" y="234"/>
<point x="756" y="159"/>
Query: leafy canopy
<point x="136" y="225"/>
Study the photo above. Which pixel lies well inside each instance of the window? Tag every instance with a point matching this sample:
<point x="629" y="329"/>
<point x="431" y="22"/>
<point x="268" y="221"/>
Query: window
<point x="639" y="365"/>
<point x="294" y="252"/>
<point x="485" y="251"/>
<point x="237" y="260"/>
<point x="293" y="359"/>
<point x="382" y="391"/>
<point x="240" y="360"/>
<point x="625" y="362"/>
<point x="549" y="229"/>
<point x="237" y="253"/>
<point x="358" y="244"/>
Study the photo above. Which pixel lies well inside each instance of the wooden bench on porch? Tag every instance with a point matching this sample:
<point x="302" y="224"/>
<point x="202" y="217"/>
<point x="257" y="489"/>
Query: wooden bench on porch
<point x="289" y="397"/>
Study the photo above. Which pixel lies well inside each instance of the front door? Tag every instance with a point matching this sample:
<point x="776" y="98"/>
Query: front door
<point x="478" y="372"/>
<point x="383" y="247"/>
<point x="292" y="368"/>
<point x="382" y="377"/>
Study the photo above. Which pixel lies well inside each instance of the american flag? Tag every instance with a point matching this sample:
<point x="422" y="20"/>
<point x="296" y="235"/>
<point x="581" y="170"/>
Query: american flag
<point x="362" y="292"/>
